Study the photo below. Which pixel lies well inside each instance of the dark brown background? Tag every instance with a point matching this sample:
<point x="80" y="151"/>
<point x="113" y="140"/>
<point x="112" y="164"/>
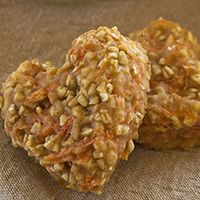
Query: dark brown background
<point x="44" y="29"/>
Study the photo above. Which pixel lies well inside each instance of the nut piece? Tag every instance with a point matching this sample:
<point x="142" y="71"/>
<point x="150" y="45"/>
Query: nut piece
<point x="104" y="97"/>
<point x="97" y="154"/>
<point x="58" y="167"/>
<point x="12" y="109"/>
<point x="65" y="176"/>
<point x="167" y="72"/>
<point x="36" y="127"/>
<point x="86" y="131"/>
<point x="38" y="110"/>
<point x="63" y="120"/>
<point x="123" y="60"/>
<point x="71" y="82"/>
<point x="92" y="89"/>
<point x="61" y="91"/>
<point x="94" y="100"/>
<point x="19" y="96"/>
<point x="156" y="70"/>
<point x="21" y="110"/>
<point x="130" y="146"/>
<point x="100" y="35"/>
<point x="82" y="100"/>
<point x="52" y="144"/>
<point x="122" y="130"/>
<point x="111" y="158"/>
<point x="73" y="102"/>
<point x="101" y="164"/>
<point x="162" y="61"/>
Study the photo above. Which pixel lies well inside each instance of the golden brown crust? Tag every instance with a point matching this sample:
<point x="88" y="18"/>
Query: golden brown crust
<point x="173" y="117"/>
<point x="79" y="120"/>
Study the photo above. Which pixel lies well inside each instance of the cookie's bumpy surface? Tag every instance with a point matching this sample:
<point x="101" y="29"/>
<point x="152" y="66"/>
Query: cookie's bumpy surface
<point x="79" y="120"/>
<point x="173" y="117"/>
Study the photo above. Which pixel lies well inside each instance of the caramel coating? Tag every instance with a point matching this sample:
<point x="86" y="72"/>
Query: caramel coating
<point x="172" y="119"/>
<point x="79" y="120"/>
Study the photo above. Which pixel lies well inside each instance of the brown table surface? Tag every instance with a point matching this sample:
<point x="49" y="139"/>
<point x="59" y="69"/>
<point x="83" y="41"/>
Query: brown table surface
<point x="44" y="29"/>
